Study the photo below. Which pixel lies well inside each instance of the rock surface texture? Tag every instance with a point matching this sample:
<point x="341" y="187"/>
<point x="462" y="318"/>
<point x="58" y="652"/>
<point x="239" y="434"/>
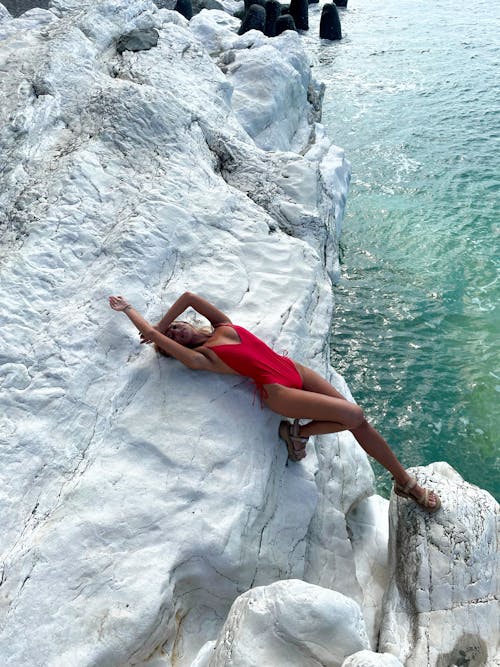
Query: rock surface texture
<point x="138" y="499"/>
<point x="442" y="599"/>
<point x="290" y="623"/>
<point x="370" y="659"/>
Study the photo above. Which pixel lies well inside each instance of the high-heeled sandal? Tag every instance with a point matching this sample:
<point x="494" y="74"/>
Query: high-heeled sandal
<point x="295" y="445"/>
<point x="422" y="500"/>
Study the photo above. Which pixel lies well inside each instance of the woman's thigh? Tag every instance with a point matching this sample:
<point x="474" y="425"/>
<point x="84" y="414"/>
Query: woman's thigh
<point x="305" y="404"/>
<point x="315" y="382"/>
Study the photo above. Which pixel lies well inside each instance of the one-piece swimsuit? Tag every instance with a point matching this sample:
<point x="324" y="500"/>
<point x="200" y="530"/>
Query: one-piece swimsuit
<point x="252" y="358"/>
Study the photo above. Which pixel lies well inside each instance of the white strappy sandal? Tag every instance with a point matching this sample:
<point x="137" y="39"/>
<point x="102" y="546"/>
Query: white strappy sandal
<point x="422" y="500"/>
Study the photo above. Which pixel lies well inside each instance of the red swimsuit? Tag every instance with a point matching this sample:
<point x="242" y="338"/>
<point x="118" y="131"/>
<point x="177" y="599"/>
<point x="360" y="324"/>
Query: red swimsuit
<point x="254" y="359"/>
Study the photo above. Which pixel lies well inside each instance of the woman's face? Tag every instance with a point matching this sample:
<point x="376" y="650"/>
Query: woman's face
<point x="181" y="332"/>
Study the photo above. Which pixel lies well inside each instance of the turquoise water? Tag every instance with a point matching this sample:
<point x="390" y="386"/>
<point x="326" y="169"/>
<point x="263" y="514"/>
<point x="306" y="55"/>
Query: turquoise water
<point x="413" y="97"/>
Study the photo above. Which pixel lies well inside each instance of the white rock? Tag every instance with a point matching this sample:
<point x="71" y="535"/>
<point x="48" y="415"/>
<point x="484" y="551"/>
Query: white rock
<point x="442" y="601"/>
<point x="5" y="15"/>
<point x="344" y="478"/>
<point x="139" y="500"/>
<point x="216" y="30"/>
<point x="204" y="655"/>
<point x="290" y="623"/>
<point x="268" y="76"/>
<point x="232" y="6"/>
<point x="370" y="659"/>
<point x="368" y="527"/>
<point x="34" y="19"/>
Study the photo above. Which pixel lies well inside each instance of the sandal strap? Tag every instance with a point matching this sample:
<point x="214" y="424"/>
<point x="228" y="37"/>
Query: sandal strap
<point x="410" y="484"/>
<point x="295" y="429"/>
<point x="295" y="437"/>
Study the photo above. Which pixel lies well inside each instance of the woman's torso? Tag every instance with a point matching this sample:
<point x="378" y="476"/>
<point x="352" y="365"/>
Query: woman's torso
<point x="234" y="349"/>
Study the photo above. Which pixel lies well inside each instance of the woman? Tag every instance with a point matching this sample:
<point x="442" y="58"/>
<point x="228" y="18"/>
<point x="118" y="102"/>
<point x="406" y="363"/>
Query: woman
<point x="285" y="386"/>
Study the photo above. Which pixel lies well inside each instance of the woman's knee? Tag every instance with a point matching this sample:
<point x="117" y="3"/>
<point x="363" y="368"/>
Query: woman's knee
<point x="356" y="418"/>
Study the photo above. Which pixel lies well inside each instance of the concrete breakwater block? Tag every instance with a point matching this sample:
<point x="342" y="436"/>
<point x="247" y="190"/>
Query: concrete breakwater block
<point x="255" y="19"/>
<point x="299" y="9"/>
<point x="329" y="27"/>
<point x="285" y="22"/>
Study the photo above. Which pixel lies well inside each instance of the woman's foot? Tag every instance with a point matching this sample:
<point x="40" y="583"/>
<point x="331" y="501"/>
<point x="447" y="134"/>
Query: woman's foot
<point x="295" y="444"/>
<point x="425" y="498"/>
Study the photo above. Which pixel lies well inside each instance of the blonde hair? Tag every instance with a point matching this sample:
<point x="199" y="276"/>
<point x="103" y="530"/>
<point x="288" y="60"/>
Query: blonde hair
<point x="207" y="330"/>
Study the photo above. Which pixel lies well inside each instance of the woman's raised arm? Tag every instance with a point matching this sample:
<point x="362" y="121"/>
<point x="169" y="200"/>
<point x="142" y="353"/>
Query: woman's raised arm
<point x="188" y="357"/>
<point x="190" y="300"/>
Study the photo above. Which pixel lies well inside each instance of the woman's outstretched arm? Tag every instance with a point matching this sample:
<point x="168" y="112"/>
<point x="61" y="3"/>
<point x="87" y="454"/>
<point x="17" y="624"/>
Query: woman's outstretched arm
<point x="188" y="357"/>
<point x="190" y="300"/>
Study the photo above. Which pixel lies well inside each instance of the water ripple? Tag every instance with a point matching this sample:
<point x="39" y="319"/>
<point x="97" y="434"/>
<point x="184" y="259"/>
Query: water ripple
<point x="412" y="95"/>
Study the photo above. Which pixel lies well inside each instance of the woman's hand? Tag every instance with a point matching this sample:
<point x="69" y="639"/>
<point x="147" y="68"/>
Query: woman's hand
<point x="118" y="303"/>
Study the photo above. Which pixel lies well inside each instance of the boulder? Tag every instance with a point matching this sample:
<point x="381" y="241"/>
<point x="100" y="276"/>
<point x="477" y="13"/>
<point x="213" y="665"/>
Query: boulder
<point x="139" y="499"/>
<point x="290" y="623"/>
<point x="371" y="659"/>
<point x="441" y="606"/>
<point x="137" y="40"/>
<point x="5" y="15"/>
<point x="19" y="7"/>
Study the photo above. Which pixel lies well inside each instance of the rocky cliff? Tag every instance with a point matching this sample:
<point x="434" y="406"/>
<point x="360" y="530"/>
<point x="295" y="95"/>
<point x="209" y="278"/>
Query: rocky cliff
<point x="139" y="501"/>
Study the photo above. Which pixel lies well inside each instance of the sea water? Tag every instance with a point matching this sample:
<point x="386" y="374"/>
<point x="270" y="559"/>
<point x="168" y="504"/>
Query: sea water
<point x="413" y="97"/>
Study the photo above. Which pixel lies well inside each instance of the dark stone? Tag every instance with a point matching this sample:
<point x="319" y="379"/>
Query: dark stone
<point x="341" y="3"/>
<point x="255" y="19"/>
<point x="185" y="8"/>
<point x="329" y="26"/>
<point x="273" y="12"/>
<point x="285" y="22"/>
<point x="137" y="40"/>
<point x="198" y="5"/>
<point x="299" y="9"/>
<point x="249" y="3"/>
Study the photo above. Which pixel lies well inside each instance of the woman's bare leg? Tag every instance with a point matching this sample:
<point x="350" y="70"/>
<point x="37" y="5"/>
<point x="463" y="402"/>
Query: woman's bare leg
<point x="330" y="412"/>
